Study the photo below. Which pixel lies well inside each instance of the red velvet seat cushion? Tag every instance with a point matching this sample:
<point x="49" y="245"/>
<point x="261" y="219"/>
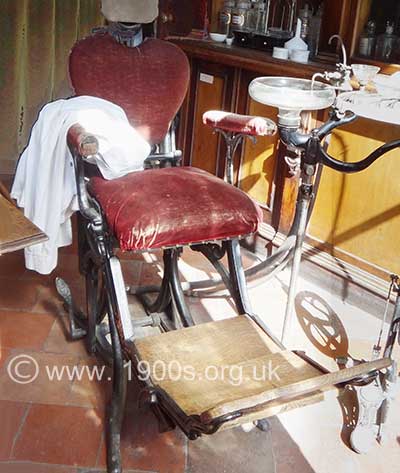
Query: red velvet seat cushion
<point x="172" y="207"/>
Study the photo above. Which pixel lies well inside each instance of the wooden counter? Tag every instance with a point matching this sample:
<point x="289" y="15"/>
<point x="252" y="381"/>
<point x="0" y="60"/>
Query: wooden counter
<point x="16" y="231"/>
<point x="356" y="217"/>
<point x="245" y="58"/>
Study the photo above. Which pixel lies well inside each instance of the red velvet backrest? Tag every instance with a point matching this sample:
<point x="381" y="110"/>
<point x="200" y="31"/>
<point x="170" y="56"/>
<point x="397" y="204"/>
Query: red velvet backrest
<point x="149" y="82"/>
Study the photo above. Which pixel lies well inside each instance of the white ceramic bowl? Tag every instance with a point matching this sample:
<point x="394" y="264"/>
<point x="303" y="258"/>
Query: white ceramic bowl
<point x="290" y="93"/>
<point x="218" y="37"/>
<point x="365" y="72"/>
<point x="280" y="53"/>
<point x="299" y="55"/>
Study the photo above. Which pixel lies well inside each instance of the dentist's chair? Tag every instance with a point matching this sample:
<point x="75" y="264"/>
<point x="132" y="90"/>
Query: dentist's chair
<point x="168" y="206"/>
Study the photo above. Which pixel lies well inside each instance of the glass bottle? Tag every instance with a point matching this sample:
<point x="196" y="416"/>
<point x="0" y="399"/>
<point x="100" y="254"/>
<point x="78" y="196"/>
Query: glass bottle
<point x="386" y="43"/>
<point x="263" y="16"/>
<point x="282" y="17"/>
<point x="239" y="16"/>
<point x="252" y="14"/>
<point x="315" y="31"/>
<point x="367" y="40"/>
<point x="305" y="17"/>
<point x="225" y="16"/>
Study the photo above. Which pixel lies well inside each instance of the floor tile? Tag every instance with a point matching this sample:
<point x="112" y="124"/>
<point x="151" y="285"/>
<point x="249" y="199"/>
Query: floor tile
<point x="95" y="386"/>
<point x="58" y="340"/>
<point x="11" y="417"/>
<point x="35" y="380"/>
<point x="18" y="294"/>
<point x="60" y="435"/>
<point x="28" y="467"/>
<point x="12" y="265"/>
<point x="105" y="471"/>
<point x="132" y="270"/>
<point x="288" y="456"/>
<point x="232" y="451"/>
<point x="144" y="448"/>
<point x="48" y="299"/>
<point x="4" y="353"/>
<point x="68" y="267"/>
<point x="151" y="274"/>
<point x="68" y="431"/>
<point x="24" y="329"/>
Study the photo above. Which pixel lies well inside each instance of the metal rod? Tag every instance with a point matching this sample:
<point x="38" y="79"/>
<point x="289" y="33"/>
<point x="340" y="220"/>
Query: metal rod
<point x="177" y="292"/>
<point x="298" y="250"/>
<point x="377" y="347"/>
<point x="394" y="327"/>
<point x="119" y="381"/>
<point x="238" y="280"/>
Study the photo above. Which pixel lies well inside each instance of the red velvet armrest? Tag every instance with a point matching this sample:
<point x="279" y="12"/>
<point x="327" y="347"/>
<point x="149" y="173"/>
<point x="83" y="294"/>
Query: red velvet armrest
<point x="80" y="142"/>
<point x="243" y="124"/>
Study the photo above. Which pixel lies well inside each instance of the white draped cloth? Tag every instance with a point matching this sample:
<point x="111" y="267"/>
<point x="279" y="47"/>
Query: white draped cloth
<point x="44" y="184"/>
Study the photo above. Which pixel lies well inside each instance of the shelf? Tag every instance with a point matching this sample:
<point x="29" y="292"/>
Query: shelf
<point x="249" y="59"/>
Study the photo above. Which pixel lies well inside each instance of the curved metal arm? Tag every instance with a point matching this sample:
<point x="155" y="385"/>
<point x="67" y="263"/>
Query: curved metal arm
<point x="341" y="166"/>
<point x="335" y="122"/>
<point x="342" y="46"/>
<point x="294" y="138"/>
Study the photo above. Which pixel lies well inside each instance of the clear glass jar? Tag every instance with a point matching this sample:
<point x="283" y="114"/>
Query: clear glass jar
<point x="386" y="43"/>
<point x="367" y="40"/>
<point x="305" y="16"/>
<point x="282" y="17"/>
<point x="315" y="31"/>
<point x="262" y="16"/>
<point x="239" y="16"/>
<point x="225" y="16"/>
<point x="251" y="21"/>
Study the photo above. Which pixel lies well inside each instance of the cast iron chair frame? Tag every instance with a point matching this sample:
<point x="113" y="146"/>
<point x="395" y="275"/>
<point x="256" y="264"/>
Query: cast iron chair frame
<point x="98" y="264"/>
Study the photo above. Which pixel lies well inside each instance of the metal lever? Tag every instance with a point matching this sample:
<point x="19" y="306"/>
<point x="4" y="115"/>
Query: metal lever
<point x="64" y="291"/>
<point x="335" y="122"/>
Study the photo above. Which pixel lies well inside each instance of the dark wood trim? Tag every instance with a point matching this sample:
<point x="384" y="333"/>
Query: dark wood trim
<point x="251" y="60"/>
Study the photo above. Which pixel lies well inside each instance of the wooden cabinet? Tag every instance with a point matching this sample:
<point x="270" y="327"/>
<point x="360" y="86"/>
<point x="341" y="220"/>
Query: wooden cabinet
<point x="180" y="17"/>
<point x="348" y="19"/>
<point x="355" y="217"/>
<point x="212" y="87"/>
<point x="358" y="216"/>
<point x="380" y="12"/>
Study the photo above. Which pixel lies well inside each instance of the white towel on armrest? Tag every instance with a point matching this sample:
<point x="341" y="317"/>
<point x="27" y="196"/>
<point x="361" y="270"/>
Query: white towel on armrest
<point x="44" y="183"/>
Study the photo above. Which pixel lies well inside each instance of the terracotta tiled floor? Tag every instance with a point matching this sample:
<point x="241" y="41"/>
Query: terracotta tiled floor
<point x="58" y="426"/>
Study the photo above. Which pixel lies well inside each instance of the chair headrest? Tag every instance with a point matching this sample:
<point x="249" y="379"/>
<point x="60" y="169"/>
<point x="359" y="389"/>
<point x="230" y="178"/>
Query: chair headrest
<point x="138" y="11"/>
<point x="149" y="82"/>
